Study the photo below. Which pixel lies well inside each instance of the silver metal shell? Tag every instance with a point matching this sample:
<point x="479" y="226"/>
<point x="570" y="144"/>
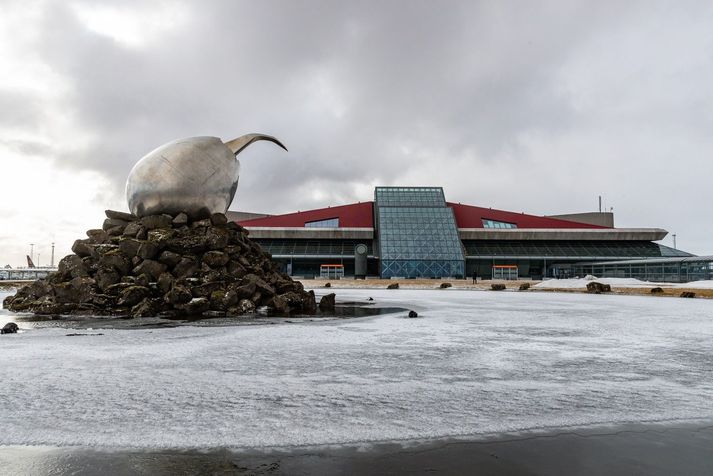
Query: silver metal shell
<point x="197" y="175"/>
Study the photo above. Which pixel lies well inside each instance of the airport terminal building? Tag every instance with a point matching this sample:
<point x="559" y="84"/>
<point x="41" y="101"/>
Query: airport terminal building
<point x="413" y="232"/>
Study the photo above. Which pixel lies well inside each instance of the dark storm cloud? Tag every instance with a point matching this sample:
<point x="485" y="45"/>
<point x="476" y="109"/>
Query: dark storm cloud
<point x="405" y="71"/>
<point x="369" y="92"/>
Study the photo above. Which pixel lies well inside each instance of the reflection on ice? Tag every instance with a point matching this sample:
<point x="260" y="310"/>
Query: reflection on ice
<point x="476" y="362"/>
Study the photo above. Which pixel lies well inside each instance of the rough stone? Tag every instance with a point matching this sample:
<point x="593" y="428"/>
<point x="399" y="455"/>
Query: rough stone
<point x="393" y="286"/>
<point x="72" y="266"/>
<point x="215" y="258"/>
<point x="9" y="328"/>
<point x="598" y="288"/>
<point x="217" y="300"/>
<point x="201" y="223"/>
<point x="150" y="267"/>
<point x="260" y="285"/>
<point x="185" y="268"/>
<point x="524" y="287"/>
<point x="143" y="280"/>
<point x="133" y="295"/>
<point x="116" y="261"/>
<point x="105" y="248"/>
<point x="132" y="229"/>
<point x="151" y="222"/>
<point x="82" y="249"/>
<point x="445" y="285"/>
<point x="119" y="215"/>
<point x="327" y="302"/>
<point x="169" y="258"/>
<point x="180" y="220"/>
<point x="688" y="294"/>
<point x="165" y="282"/>
<point x="218" y="219"/>
<point x="160" y="236"/>
<point x="412" y="314"/>
<point x="146" y="308"/>
<point x="656" y="290"/>
<point x="129" y="247"/>
<point x="279" y="305"/>
<point x="195" y="306"/>
<point x="235" y="269"/>
<point x="497" y="287"/>
<point x="116" y="289"/>
<point x="187" y="242"/>
<point x="105" y="277"/>
<point x="245" y="306"/>
<point x="178" y="295"/>
<point x="97" y="236"/>
<point x="113" y="223"/>
<point x="147" y="250"/>
<point x="205" y="290"/>
<point x="216" y="238"/>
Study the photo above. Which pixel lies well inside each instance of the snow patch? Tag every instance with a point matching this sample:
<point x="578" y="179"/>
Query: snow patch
<point x="475" y="363"/>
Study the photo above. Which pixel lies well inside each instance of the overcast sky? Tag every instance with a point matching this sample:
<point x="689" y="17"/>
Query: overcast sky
<point x="526" y="106"/>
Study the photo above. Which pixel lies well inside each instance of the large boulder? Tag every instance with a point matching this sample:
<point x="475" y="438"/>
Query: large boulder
<point x="152" y="222"/>
<point x="113" y="214"/>
<point x="9" y="328"/>
<point x="133" y="295"/>
<point x="327" y="302"/>
<point x="595" y="287"/>
<point x="72" y="266"/>
<point x="215" y="259"/>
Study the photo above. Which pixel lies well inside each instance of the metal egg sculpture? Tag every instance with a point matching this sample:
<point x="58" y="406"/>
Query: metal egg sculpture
<point x="197" y="175"/>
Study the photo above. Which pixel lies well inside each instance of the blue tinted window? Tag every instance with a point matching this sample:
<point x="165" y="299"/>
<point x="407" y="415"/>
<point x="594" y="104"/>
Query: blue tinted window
<point x="497" y="224"/>
<point x="328" y="223"/>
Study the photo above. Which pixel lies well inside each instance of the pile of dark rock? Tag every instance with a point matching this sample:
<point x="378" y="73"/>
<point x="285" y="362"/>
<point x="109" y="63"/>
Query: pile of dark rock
<point x="164" y="265"/>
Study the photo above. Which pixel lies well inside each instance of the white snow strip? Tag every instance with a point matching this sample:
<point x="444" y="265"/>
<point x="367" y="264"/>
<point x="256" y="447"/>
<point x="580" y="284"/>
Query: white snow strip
<point x="581" y="283"/>
<point x="473" y="363"/>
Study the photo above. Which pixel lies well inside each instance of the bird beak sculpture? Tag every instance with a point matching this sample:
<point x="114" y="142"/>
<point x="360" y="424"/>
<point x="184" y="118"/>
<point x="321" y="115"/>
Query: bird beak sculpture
<point x="197" y="175"/>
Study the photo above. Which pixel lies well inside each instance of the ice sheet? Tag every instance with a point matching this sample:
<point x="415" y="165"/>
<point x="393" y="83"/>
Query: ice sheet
<point x="473" y="363"/>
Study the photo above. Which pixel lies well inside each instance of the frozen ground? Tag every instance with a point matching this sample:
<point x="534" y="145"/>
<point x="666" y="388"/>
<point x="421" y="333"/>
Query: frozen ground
<point x="475" y="363"/>
<point x="581" y="283"/>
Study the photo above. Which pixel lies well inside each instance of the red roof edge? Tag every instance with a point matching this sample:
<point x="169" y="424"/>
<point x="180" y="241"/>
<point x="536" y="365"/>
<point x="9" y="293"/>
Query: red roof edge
<point x="354" y="215"/>
<point x="469" y="216"/>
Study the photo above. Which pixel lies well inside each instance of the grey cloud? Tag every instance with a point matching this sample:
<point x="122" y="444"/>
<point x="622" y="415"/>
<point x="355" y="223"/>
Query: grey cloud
<point x="348" y="86"/>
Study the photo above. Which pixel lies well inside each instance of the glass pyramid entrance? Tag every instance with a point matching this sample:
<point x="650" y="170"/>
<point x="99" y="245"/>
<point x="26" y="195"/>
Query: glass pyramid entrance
<point x="416" y="233"/>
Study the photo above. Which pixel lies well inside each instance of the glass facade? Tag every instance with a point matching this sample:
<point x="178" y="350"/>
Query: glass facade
<point x="409" y="197"/>
<point x="328" y="223"/>
<point x="675" y="270"/>
<point x="417" y="234"/>
<point x="497" y="224"/>
<point x="600" y="249"/>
